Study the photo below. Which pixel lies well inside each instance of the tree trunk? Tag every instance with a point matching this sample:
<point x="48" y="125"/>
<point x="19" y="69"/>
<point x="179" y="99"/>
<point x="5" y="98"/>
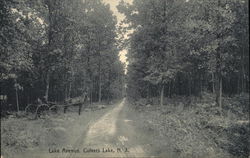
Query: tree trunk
<point x="189" y="86"/>
<point x="219" y="92"/>
<point x="100" y="85"/>
<point x="148" y="91"/>
<point x="91" y="92"/>
<point x="238" y="84"/>
<point x="220" y="97"/>
<point x="242" y="71"/>
<point x="17" y="101"/>
<point x="179" y="85"/>
<point x="99" y="69"/>
<point x="46" y="96"/>
<point x="50" y="32"/>
<point x="70" y="89"/>
<point x="70" y="83"/>
<point x="162" y="95"/>
<point x="89" y="76"/>
<point x="201" y="86"/>
<point x="169" y="89"/>
<point x="66" y="93"/>
<point x="218" y="66"/>
<point x="213" y="89"/>
<point x="109" y="87"/>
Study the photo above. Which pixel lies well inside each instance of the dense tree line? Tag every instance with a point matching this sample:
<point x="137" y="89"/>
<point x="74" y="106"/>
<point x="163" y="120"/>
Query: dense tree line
<point x="58" y="49"/>
<point x="183" y="47"/>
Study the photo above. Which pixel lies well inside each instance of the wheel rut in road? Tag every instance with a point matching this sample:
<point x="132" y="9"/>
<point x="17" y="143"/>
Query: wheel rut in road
<point x="113" y="135"/>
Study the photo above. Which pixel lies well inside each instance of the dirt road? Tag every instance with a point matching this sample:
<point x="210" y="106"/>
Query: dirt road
<point x="114" y="131"/>
<point x="113" y="135"/>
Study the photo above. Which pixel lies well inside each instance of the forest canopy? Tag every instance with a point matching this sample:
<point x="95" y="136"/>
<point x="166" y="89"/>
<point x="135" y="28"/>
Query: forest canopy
<point x="56" y="49"/>
<point x="180" y="47"/>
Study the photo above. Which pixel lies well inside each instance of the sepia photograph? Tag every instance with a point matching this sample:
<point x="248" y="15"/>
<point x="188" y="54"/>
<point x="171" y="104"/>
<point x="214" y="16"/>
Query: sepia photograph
<point x="124" y="79"/>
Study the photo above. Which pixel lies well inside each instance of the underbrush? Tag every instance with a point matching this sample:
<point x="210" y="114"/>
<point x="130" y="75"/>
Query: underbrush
<point x="194" y="127"/>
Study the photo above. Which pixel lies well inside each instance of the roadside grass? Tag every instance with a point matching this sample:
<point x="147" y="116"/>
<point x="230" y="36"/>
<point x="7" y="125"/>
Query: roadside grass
<point x="20" y="134"/>
<point x="194" y="127"/>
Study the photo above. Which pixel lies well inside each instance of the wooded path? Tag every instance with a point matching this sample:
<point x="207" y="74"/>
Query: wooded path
<point x="108" y="132"/>
<point x="114" y="134"/>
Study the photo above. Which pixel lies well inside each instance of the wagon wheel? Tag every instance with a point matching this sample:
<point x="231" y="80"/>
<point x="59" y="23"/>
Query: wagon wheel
<point x="37" y="109"/>
<point x="27" y="107"/>
<point x="54" y="107"/>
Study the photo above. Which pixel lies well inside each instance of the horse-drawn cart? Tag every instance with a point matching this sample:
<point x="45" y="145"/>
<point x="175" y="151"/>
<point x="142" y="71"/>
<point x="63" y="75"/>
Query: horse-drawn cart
<point x="40" y="107"/>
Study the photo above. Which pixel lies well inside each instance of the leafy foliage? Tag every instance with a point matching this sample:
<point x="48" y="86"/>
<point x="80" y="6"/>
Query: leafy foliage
<point x="57" y="49"/>
<point x="186" y="47"/>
